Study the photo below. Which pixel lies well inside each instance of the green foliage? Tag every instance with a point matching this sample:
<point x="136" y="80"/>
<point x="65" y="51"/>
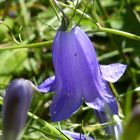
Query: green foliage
<point x="34" y="21"/>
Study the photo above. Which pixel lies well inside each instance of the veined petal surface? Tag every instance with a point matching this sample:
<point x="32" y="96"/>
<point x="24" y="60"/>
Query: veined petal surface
<point x="112" y="72"/>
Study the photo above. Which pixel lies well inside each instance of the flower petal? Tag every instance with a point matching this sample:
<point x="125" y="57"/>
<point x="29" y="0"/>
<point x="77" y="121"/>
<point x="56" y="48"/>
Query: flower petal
<point x="76" y="136"/>
<point x="63" y="105"/>
<point x="105" y="101"/>
<point x="99" y="104"/>
<point x="112" y="72"/>
<point x="48" y="85"/>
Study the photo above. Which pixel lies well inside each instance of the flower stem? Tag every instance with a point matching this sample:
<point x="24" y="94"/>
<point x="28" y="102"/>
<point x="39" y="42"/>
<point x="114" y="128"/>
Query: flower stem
<point x="34" y="45"/>
<point x="55" y="10"/>
<point x="116" y="32"/>
<point x="51" y="130"/>
<point x="113" y="53"/>
<point x="77" y="10"/>
<point x="49" y="43"/>
<point x="103" y="29"/>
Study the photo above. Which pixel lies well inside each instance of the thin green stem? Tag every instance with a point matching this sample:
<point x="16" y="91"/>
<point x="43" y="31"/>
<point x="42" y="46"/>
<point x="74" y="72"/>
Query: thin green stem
<point x="24" y="11"/>
<point x="55" y="10"/>
<point x="51" y="129"/>
<point x="102" y="10"/>
<point x="121" y="33"/>
<point x="74" y="10"/>
<point x="113" y="53"/>
<point x="115" y="92"/>
<point x="49" y="43"/>
<point x="57" y="4"/>
<point x="31" y="120"/>
<point x="103" y="29"/>
<point x="34" y="45"/>
<point x="10" y="31"/>
<point x="91" y="128"/>
<point x="77" y="10"/>
<point x="116" y="32"/>
<point x="82" y="15"/>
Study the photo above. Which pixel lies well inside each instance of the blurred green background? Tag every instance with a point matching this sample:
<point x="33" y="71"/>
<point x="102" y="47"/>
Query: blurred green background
<point x="33" y="21"/>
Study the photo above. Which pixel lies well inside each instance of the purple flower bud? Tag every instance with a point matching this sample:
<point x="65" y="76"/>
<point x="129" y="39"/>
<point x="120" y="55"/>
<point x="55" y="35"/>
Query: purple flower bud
<point x="78" y="75"/>
<point x="16" y="104"/>
<point x="12" y="14"/>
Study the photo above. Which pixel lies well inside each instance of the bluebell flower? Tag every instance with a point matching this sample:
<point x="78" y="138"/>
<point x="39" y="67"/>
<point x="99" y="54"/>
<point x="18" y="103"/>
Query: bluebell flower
<point x="16" y="104"/>
<point x="77" y="136"/>
<point x="78" y="76"/>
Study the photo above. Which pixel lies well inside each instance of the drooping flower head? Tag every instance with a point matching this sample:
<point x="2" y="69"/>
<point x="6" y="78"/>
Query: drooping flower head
<point x="16" y="104"/>
<point x="78" y="76"/>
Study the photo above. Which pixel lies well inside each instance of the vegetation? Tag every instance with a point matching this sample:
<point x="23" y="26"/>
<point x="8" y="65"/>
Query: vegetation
<point x="27" y="30"/>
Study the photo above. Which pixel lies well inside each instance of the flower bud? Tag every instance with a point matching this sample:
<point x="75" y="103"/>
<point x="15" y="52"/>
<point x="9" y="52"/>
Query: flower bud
<point x="16" y="104"/>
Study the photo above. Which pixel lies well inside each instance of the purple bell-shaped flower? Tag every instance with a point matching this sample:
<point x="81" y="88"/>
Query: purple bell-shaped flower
<point x="78" y="75"/>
